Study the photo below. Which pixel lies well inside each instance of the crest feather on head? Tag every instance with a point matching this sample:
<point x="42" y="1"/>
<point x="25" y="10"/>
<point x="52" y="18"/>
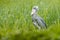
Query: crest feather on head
<point x="35" y="7"/>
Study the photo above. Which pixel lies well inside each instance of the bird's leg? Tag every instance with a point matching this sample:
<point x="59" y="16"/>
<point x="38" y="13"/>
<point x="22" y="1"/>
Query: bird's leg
<point x="37" y="25"/>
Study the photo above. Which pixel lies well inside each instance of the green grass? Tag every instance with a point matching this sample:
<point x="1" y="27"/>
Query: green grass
<point x="16" y="22"/>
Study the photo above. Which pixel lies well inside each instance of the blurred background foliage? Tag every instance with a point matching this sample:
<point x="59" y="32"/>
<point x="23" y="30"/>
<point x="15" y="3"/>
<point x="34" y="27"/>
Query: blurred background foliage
<point x="16" y="23"/>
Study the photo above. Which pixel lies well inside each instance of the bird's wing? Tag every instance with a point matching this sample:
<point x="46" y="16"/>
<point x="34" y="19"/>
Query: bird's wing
<point x="35" y="24"/>
<point x="40" y="22"/>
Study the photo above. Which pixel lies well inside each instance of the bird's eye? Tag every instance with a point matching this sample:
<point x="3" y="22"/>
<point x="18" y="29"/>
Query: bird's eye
<point x="35" y="8"/>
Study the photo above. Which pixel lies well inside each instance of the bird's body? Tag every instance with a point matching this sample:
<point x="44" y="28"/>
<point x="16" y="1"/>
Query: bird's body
<point x="37" y="21"/>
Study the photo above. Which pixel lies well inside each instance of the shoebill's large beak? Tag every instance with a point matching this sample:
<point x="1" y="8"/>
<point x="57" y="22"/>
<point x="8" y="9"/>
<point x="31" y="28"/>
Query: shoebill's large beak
<point x="34" y="10"/>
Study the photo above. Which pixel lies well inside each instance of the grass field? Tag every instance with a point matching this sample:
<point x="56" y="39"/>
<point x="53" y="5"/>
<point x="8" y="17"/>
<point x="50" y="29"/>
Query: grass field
<point x="16" y="23"/>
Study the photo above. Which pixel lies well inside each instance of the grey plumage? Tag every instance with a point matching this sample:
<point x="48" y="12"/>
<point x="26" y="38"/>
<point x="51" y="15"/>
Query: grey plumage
<point x="37" y="21"/>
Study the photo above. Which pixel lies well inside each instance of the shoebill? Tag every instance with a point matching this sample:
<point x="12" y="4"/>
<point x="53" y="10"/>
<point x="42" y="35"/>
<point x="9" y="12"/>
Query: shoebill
<point x="37" y="20"/>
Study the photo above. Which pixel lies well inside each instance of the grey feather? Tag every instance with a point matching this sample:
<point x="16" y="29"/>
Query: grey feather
<point x="37" y="20"/>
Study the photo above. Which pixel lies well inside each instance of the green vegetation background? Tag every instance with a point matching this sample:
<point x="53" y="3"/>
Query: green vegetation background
<point x="16" y="23"/>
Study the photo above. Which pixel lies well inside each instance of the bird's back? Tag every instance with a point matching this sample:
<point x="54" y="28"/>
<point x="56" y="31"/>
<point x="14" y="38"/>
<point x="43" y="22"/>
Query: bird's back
<point x="39" y="21"/>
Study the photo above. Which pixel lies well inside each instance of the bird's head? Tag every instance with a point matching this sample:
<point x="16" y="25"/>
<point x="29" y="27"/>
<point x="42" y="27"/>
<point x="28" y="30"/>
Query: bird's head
<point x="34" y="10"/>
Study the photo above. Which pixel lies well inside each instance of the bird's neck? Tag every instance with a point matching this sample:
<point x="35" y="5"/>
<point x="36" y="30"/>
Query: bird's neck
<point x="34" y="14"/>
<point x="33" y="11"/>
